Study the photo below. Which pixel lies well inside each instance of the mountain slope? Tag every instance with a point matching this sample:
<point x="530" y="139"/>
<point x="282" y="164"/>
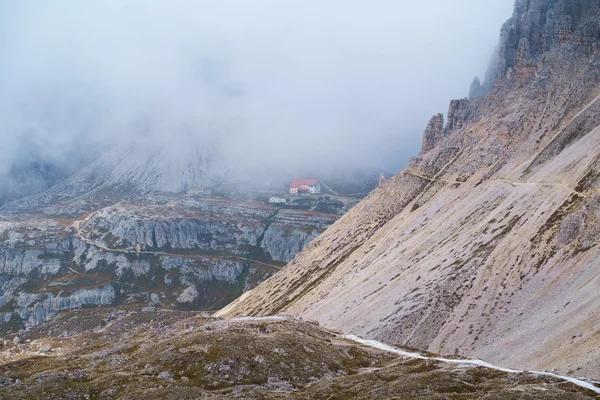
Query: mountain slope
<point x="133" y="172"/>
<point x="126" y="354"/>
<point x="487" y="244"/>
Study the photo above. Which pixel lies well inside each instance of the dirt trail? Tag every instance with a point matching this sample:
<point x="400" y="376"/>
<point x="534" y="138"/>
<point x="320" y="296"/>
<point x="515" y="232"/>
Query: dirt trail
<point x="475" y="362"/>
<point x="504" y="180"/>
<point x="582" y="382"/>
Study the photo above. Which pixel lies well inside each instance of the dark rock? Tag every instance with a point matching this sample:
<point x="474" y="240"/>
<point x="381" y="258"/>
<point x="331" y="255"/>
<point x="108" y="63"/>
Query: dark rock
<point x="5" y="381"/>
<point x="540" y="26"/>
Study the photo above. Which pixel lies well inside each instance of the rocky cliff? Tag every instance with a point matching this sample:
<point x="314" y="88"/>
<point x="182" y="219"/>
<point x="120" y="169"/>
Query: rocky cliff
<point x="193" y="253"/>
<point x="487" y="244"/>
<point x="213" y="226"/>
<point x="434" y="132"/>
<point x="538" y="28"/>
<point x="152" y="226"/>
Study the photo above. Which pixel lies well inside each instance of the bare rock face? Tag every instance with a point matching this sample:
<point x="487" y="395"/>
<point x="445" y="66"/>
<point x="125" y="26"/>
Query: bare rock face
<point x="460" y="112"/>
<point x="557" y="30"/>
<point x="525" y="65"/>
<point x="196" y="254"/>
<point x="541" y="26"/>
<point x="458" y="115"/>
<point x="536" y="29"/>
<point x="40" y="309"/>
<point x="290" y="231"/>
<point x="434" y="132"/>
<point x="211" y="226"/>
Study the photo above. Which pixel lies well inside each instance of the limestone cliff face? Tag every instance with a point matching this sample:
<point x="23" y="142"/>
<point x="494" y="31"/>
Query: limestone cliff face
<point x="477" y="90"/>
<point x="434" y="132"/>
<point x="156" y="255"/>
<point x="487" y="244"/>
<point x="538" y="27"/>
<point x="211" y="226"/>
<point x="459" y="114"/>
<point x="529" y="41"/>
<point x="38" y="309"/>
<point x="290" y="231"/>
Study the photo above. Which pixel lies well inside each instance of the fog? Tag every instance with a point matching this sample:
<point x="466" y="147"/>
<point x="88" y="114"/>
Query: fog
<point x="267" y="82"/>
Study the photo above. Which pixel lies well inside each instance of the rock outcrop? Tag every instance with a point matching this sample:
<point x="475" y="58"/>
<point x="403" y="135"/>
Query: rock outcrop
<point x="189" y="295"/>
<point x="460" y="112"/>
<point x="290" y="231"/>
<point x="39" y="309"/>
<point x="458" y="115"/>
<point x="434" y="132"/>
<point x="538" y="27"/>
<point x="216" y="226"/>
<point x="147" y="254"/>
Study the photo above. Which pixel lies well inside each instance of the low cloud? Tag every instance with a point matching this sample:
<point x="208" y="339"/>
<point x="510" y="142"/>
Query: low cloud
<point x="336" y="83"/>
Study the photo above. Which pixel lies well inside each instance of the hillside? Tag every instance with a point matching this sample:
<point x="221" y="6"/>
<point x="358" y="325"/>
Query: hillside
<point x="161" y="354"/>
<point x="487" y="245"/>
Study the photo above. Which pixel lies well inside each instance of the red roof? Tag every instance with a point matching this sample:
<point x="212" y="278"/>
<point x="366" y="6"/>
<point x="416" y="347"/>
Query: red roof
<point x="300" y="182"/>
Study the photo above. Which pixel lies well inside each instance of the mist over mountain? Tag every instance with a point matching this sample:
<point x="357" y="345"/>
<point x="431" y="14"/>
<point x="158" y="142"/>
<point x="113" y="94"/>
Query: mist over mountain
<point x="259" y="85"/>
<point x="157" y="242"/>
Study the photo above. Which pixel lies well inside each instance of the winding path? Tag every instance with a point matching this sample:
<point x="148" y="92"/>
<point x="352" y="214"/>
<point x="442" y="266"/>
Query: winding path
<point x="479" y="363"/>
<point x="403" y="353"/>
<point x="504" y="180"/>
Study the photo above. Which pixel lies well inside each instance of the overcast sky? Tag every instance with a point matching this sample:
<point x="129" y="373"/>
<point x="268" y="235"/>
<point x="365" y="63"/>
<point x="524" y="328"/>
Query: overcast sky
<point x="352" y="82"/>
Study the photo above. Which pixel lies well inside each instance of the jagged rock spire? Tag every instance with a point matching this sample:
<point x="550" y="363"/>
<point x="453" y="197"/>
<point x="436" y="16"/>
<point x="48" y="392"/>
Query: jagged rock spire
<point x="433" y="133"/>
<point x="477" y="90"/>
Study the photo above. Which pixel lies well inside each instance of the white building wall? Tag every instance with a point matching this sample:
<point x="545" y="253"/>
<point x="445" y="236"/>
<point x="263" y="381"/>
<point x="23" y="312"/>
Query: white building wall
<point x="316" y="189"/>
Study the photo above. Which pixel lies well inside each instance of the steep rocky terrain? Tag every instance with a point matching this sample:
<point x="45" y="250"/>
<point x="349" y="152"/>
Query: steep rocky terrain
<point x="162" y="354"/>
<point x="190" y="253"/>
<point x="487" y="245"/>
